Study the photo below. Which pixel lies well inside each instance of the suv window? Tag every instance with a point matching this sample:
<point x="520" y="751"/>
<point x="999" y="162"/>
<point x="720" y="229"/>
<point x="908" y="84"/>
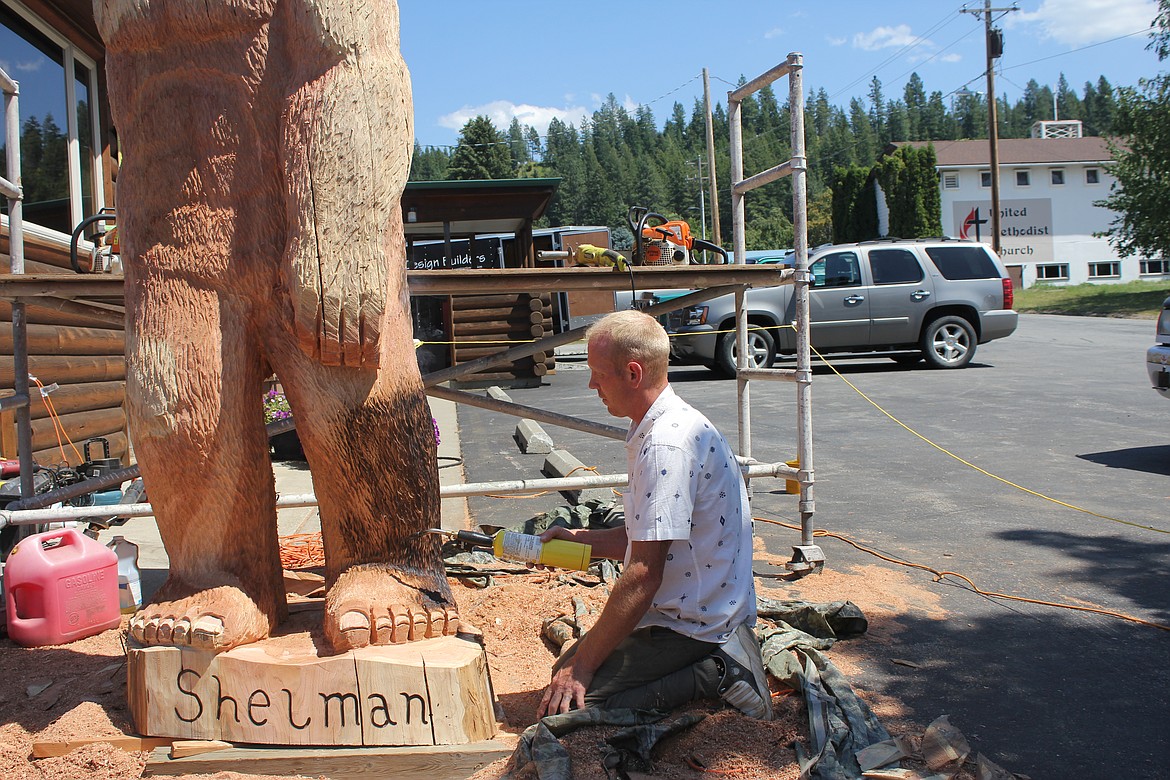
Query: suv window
<point x="894" y="266"/>
<point x="840" y="269"/>
<point x="963" y="262"/>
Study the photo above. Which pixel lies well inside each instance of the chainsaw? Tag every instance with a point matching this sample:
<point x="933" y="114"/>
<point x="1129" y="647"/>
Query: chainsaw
<point x="659" y="241"/>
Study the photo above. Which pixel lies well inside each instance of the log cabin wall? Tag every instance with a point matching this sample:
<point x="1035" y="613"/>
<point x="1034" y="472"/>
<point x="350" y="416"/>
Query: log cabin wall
<point x="78" y="345"/>
<point x="483" y="325"/>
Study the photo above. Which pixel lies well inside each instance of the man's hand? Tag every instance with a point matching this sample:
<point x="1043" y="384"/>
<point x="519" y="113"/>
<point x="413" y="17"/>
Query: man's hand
<point x="565" y="692"/>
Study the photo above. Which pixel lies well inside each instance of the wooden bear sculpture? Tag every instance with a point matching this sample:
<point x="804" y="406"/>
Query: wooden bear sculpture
<point x="266" y="144"/>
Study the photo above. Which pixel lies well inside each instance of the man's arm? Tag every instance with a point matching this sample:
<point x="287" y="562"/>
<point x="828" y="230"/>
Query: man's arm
<point x="631" y="597"/>
<point x="607" y="542"/>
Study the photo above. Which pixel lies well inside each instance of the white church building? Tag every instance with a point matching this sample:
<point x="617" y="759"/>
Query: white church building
<point x="1048" y="185"/>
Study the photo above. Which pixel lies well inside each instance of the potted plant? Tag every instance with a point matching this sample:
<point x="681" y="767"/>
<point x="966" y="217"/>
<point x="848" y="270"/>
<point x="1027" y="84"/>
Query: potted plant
<point x="286" y="445"/>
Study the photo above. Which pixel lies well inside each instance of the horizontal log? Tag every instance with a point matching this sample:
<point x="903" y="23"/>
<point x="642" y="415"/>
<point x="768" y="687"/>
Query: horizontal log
<point x="68" y="370"/>
<point x="78" y="426"/>
<point x="500" y="315"/>
<point x="464" y="354"/>
<point x="119" y="446"/>
<point x="493" y="301"/>
<point x="499" y="336"/>
<point x="496" y="376"/>
<point x="35" y="249"/>
<point x="31" y="267"/>
<point x="513" y="329"/>
<point x="66" y="340"/>
<point x="51" y="311"/>
<point x="81" y="397"/>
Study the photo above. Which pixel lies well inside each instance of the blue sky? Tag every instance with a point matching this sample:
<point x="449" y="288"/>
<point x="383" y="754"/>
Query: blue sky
<point x="537" y="59"/>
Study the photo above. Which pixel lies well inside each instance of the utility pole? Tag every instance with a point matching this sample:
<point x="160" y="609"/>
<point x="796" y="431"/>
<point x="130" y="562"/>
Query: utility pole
<point x="993" y="43"/>
<point x="711" y="161"/>
<point x="702" y="198"/>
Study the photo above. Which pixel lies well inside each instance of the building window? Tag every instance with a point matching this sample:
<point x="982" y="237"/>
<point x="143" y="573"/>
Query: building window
<point x="1110" y="269"/>
<point x="60" y="164"/>
<point x="1057" y="176"/>
<point x="1155" y="267"/>
<point x="984" y="178"/>
<point x="1052" y="272"/>
<point x="1023" y="179"/>
<point x="950" y="180"/>
<point x="1092" y="176"/>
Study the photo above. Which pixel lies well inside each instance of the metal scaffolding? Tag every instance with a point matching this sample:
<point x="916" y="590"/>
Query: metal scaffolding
<point x="706" y="281"/>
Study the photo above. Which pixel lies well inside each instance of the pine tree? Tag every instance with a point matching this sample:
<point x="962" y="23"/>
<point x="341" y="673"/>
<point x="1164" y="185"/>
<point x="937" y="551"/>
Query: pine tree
<point x="482" y="153"/>
<point x="517" y="144"/>
<point x="1067" y="102"/>
<point x="914" y="96"/>
<point x="429" y="163"/>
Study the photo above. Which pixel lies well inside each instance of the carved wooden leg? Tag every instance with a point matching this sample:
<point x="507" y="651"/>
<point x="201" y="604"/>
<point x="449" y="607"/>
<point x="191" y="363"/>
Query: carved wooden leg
<point x="194" y="391"/>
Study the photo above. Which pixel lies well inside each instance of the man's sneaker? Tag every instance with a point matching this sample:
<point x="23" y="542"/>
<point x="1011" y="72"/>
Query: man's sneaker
<point x="743" y="683"/>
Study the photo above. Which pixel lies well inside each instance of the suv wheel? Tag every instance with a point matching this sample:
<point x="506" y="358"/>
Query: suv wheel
<point x="761" y="351"/>
<point x="948" y="342"/>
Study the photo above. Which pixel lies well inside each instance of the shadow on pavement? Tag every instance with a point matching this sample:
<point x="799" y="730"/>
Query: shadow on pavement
<point x="1152" y="460"/>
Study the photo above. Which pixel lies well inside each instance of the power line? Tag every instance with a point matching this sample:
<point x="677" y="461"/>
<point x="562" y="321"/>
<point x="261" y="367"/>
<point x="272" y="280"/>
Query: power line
<point x="950" y="17"/>
<point x="1074" y="51"/>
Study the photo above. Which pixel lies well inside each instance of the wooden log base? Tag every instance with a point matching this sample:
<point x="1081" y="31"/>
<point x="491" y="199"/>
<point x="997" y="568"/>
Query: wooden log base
<point x="436" y="762"/>
<point x="286" y="691"/>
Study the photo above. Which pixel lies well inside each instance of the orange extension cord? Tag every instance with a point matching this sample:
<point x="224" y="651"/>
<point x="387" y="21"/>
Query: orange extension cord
<point x="939" y="575"/>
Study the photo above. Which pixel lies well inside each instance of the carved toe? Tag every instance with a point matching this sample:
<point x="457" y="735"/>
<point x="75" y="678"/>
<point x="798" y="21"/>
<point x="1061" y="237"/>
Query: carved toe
<point x="180" y="634"/>
<point x="207" y="632"/>
<point x="138" y="627"/>
<point x="355" y="627"/>
<point x="166" y="628"/>
<point x="419" y="624"/>
<point x="150" y="632"/>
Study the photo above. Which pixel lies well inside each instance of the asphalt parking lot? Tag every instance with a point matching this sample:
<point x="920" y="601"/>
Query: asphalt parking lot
<point x="1063" y="408"/>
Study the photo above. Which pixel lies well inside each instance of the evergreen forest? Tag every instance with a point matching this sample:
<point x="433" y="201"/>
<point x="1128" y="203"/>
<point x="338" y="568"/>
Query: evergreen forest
<point x="616" y="159"/>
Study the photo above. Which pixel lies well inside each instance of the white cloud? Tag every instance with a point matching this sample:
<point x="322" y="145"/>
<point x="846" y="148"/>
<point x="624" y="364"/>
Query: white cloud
<point x="501" y="112"/>
<point x="1080" y="22"/>
<point x="30" y="66"/>
<point x="884" y="38"/>
<point x="836" y="41"/>
<point x="775" y="32"/>
<point x="950" y="57"/>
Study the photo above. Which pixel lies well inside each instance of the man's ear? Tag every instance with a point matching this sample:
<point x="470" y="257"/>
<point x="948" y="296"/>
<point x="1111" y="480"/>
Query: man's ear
<point x="635" y="372"/>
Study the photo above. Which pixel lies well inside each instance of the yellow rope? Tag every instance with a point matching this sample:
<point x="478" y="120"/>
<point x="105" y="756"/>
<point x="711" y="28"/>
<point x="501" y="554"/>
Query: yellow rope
<point x="996" y="477"/>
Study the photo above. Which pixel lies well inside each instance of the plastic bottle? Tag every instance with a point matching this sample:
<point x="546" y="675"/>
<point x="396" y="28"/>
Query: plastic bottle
<point x="526" y="548"/>
<point x="129" y="578"/>
<point x="60" y="586"/>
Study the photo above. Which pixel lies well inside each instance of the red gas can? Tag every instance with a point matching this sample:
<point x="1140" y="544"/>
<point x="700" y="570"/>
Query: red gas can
<point x="60" y="586"/>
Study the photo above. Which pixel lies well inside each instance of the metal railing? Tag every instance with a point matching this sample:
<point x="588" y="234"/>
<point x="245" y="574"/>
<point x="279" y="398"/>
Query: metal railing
<point x="13" y="191"/>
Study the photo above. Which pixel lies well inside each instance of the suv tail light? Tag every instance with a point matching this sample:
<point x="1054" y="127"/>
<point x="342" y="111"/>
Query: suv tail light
<point x="1164" y="326"/>
<point x="1009" y="296"/>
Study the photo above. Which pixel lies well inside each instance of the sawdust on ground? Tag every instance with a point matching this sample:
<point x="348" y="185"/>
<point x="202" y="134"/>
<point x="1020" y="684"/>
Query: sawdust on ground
<point x="78" y="691"/>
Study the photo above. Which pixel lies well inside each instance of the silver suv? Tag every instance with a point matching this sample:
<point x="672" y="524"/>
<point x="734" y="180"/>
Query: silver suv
<point x="925" y="298"/>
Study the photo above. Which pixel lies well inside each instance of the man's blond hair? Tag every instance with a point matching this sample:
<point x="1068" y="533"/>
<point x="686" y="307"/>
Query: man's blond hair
<point x="633" y="335"/>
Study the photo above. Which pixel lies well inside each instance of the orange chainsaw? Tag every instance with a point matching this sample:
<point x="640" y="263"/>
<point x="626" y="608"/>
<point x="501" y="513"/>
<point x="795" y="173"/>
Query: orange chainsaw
<point x="660" y="241"/>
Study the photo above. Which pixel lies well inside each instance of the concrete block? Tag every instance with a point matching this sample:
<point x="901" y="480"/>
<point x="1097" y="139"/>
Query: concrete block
<point x="532" y="438"/>
<point x="497" y="392"/>
<point x="561" y="463"/>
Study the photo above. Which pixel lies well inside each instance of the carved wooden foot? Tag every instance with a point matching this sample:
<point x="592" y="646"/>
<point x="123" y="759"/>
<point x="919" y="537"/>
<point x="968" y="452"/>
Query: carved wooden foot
<point x="217" y="619"/>
<point x="369" y="605"/>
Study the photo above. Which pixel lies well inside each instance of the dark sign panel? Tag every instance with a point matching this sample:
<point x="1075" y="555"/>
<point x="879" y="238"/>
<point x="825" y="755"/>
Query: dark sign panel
<point x="485" y="253"/>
